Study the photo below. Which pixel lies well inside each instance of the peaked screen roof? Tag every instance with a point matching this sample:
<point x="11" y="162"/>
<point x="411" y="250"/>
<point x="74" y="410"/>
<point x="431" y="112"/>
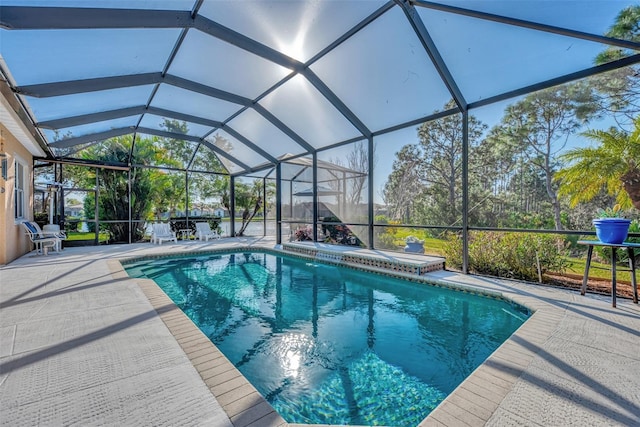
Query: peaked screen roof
<point x="259" y="81"/>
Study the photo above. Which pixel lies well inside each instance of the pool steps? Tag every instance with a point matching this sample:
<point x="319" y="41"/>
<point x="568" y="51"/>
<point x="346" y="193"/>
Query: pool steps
<point x="400" y="263"/>
<point x="329" y="257"/>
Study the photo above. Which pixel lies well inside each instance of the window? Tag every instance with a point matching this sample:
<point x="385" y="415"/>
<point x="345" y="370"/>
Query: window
<point x="19" y="190"/>
<point x="4" y="166"/>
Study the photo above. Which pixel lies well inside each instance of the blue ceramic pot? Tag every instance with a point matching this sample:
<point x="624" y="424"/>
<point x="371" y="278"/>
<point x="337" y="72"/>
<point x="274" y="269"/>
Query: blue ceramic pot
<point x="417" y="248"/>
<point x="612" y="230"/>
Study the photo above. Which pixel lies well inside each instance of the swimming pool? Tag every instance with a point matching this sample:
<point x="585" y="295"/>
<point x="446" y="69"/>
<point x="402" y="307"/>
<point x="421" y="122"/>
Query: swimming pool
<point x="328" y="344"/>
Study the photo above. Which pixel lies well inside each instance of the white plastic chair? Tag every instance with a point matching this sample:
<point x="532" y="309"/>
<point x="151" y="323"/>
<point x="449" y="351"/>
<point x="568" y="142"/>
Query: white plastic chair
<point x="162" y="233"/>
<point x="41" y="242"/>
<point x="53" y="230"/>
<point x="204" y="232"/>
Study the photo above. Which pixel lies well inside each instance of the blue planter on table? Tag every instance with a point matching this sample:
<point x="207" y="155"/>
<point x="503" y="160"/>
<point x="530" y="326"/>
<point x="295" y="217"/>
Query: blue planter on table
<point x="612" y="230"/>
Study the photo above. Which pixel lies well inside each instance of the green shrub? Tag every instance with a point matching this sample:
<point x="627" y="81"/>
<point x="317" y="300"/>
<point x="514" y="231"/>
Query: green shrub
<point x="386" y="241"/>
<point x="180" y="223"/>
<point x="41" y="218"/>
<point x="385" y="236"/>
<point x="452" y="249"/>
<point x="72" y="225"/>
<point x="512" y="255"/>
<point x="381" y="219"/>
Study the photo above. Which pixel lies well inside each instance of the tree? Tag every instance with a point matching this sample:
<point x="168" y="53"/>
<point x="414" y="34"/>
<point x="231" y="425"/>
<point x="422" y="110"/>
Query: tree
<point x="151" y="188"/>
<point x="441" y="146"/>
<point x="352" y="182"/>
<point x="170" y="192"/>
<point x="625" y="27"/>
<point x="404" y="185"/>
<point x="358" y="161"/>
<point x="209" y="178"/>
<point x="176" y="151"/>
<point x="505" y="189"/>
<point x="113" y="202"/>
<point x="539" y="126"/>
<point x="619" y="90"/>
<point x="495" y="169"/>
<point x="426" y="177"/>
<point x="248" y="197"/>
<point x="170" y="186"/>
<point x="613" y="165"/>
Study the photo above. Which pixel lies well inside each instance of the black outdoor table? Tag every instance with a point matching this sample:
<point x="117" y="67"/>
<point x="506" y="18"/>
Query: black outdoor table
<point x="614" y="249"/>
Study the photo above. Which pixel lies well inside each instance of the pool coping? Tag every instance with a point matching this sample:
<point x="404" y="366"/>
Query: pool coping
<point x="472" y="402"/>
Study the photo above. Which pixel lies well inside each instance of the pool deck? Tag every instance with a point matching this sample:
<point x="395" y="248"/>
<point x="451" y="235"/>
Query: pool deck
<point x="83" y="344"/>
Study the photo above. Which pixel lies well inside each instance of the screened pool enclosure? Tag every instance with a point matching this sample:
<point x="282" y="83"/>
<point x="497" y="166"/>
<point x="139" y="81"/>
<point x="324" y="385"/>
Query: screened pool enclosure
<point x="349" y="122"/>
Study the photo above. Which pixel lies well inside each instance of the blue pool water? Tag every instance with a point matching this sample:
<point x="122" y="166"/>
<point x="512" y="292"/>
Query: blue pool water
<point x="331" y="345"/>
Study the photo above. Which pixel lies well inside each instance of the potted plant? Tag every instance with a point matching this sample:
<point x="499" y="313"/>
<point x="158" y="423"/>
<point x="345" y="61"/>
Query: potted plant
<point x="304" y="233"/>
<point x="414" y="245"/>
<point x="611" y="227"/>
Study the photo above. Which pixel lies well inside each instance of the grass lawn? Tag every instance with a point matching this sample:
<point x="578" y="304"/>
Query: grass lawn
<point x="86" y="235"/>
<point x="598" y="270"/>
<point x="432" y="245"/>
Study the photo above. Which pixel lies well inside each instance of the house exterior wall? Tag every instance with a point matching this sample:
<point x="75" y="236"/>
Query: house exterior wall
<point x="13" y="240"/>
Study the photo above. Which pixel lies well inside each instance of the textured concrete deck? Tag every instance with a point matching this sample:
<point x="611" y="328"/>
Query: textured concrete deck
<point x="82" y="344"/>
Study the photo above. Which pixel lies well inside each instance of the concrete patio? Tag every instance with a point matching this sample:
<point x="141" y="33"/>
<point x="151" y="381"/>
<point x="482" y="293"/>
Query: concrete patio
<point x="82" y="344"/>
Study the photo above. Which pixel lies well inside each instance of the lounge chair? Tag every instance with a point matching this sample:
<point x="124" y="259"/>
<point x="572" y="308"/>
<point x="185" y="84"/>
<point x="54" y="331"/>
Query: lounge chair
<point x="41" y="242"/>
<point x="162" y="233"/>
<point x="204" y="232"/>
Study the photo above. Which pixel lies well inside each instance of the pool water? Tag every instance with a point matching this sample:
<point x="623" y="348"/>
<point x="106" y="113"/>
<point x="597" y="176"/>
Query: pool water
<point x="331" y="345"/>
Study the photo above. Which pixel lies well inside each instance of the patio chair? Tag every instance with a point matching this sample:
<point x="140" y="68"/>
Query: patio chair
<point x="204" y="232"/>
<point x="41" y="242"/>
<point x="52" y="230"/>
<point x="162" y="233"/>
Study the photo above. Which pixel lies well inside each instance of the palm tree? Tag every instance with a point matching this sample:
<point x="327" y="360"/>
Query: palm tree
<point x="614" y="165"/>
